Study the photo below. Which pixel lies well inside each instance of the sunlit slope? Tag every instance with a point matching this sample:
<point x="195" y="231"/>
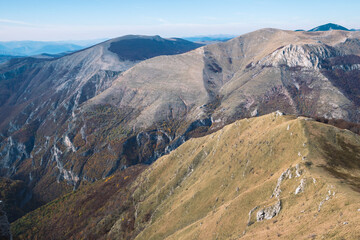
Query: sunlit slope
<point x="270" y="177"/>
<point x="207" y="188"/>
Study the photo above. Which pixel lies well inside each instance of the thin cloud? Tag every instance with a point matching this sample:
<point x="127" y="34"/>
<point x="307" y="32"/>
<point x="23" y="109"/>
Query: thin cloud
<point x="9" y="21"/>
<point x="161" y="20"/>
<point x="208" y="18"/>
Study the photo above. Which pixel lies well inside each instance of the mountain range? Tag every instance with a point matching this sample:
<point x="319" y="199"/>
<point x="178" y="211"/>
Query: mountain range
<point x="329" y="27"/>
<point x="210" y="39"/>
<point x="28" y="48"/>
<point x="13" y="49"/>
<point x="96" y="121"/>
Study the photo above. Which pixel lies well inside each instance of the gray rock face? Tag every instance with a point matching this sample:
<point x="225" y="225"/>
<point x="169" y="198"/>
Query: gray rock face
<point x="5" y="233"/>
<point x="269" y="212"/>
<point x="301" y="187"/>
<point x="283" y="176"/>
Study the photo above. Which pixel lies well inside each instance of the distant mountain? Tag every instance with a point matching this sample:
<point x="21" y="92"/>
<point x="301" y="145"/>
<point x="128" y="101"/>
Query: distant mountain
<point x="210" y="39"/>
<point x="85" y="43"/>
<point x="4" y="58"/>
<point x="132" y="46"/>
<point x="28" y="48"/>
<point x="328" y="27"/>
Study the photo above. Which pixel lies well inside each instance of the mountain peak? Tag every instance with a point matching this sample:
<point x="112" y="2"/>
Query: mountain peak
<point x="328" y="27"/>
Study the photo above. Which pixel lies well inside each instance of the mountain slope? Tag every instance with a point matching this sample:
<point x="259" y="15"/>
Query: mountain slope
<point x="40" y="99"/>
<point x="4" y="58"/>
<point x="314" y="74"/>
<point x="267" y="177"/>
<point x="211" y="187"/>
<point x="247" y="75"/>
<point x="76" y="77"/>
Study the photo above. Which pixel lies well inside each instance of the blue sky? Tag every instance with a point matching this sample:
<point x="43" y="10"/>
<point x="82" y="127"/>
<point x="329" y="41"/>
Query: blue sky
<point x="91" y="19"/>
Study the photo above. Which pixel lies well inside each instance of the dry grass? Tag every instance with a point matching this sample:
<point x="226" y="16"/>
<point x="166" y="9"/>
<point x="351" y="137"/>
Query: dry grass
<point x="206" y="188"/>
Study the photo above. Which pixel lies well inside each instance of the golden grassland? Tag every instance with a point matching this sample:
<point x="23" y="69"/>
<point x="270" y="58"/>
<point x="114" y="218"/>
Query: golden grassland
<point x="206" y="188"/>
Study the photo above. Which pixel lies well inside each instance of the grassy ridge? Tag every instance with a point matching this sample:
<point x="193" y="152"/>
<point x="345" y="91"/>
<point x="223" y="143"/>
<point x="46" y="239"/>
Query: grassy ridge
<point x="206" y="188"/>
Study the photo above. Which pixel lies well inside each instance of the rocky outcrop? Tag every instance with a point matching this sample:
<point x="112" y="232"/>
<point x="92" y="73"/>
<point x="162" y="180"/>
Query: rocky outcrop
<point x="12" y="151"/>
<point x="329" y="195"/>
<point x="301" y="187"/>
<point x="269" y="212"/>
<point x="283" y="176"/>
<point x="303" y="56"/>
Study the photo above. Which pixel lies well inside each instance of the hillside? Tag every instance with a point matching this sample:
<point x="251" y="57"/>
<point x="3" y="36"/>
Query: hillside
<point x="267" y="177"/>
<point x="246" y="76"/>
<point x="40" y="99"/>
<point x="161" y="102"/>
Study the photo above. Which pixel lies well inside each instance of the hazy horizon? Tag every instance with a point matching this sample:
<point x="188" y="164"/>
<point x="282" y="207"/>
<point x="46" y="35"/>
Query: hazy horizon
<point x="41" y="20"/>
